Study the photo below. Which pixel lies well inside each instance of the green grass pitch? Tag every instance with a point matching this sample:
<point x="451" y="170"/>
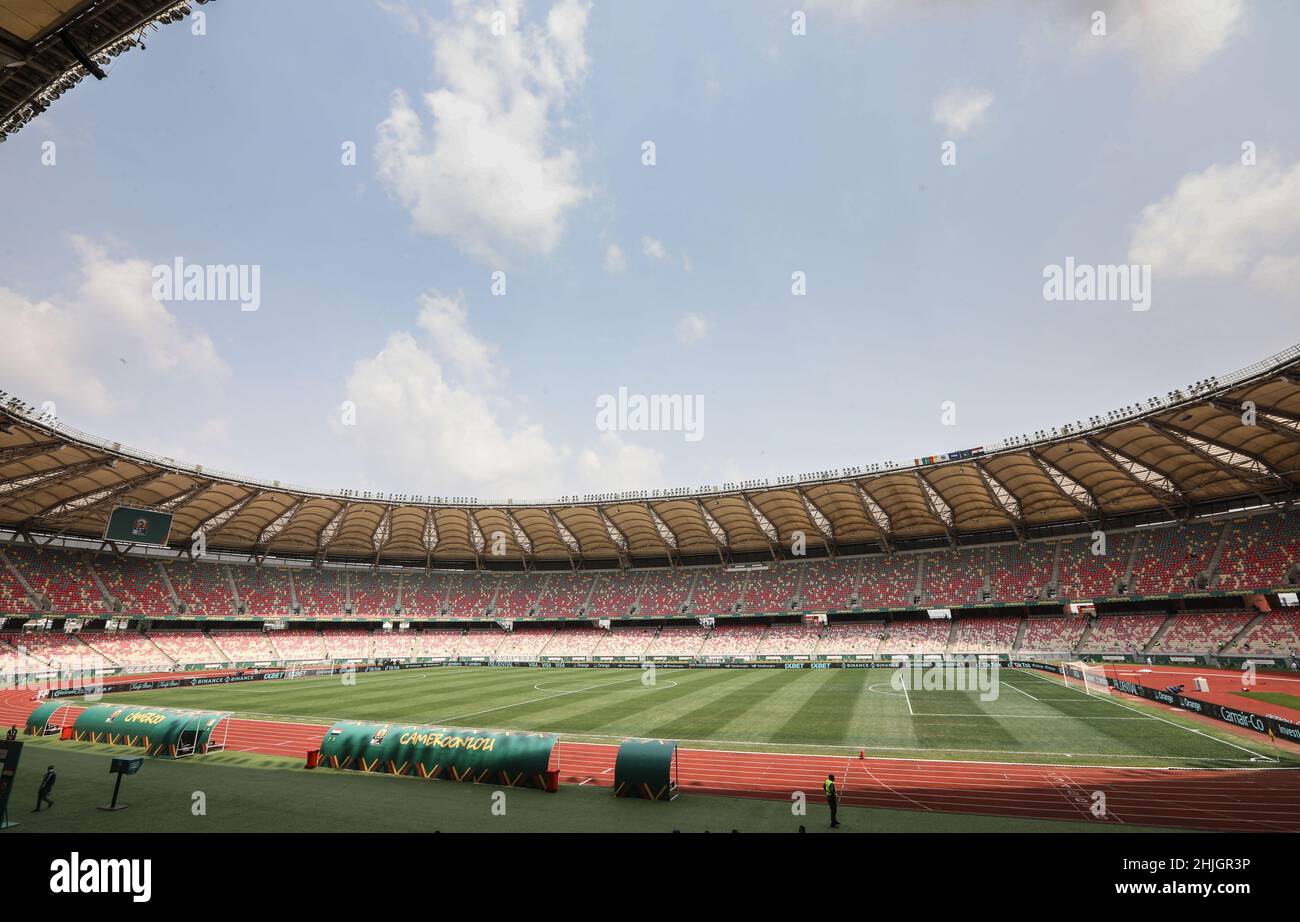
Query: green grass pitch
<point x="1034" y="718"/>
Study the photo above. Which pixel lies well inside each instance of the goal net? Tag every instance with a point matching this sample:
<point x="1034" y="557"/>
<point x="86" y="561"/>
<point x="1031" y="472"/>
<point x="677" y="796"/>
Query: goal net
<point x="1087" y="677"/>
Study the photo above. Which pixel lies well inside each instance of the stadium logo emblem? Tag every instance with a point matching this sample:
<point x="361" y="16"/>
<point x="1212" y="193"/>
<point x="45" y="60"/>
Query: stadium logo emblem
<point x="103" y="875"/>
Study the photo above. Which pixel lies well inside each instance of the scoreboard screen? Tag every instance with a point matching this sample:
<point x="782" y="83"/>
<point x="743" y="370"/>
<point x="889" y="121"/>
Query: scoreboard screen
<point x="129" y="525"/>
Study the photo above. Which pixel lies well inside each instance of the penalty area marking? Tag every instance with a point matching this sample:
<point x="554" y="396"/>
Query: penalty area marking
<point x="1256" y="757"/>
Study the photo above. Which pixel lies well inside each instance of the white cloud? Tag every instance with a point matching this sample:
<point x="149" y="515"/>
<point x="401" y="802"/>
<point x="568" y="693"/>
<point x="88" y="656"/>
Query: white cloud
<point x="1167" y="40"/>
<point x="654" y="248"/>
<point x="83" y="349"/>
<point x="1224" y="222"/>
<point x="691" y="329"/>
<point x="486" y="171"/>
<point x="615" y="261"/>
<point x="444" y="319"/>
<point x="614" y="464"/>
<point x="402" y="10"/>
<point x="426" y="419"/>
<point x="959" y="111"/>
<point x="854" y="10"/>
<point x="429" y="430"/>
<point x="1278" y="276"/>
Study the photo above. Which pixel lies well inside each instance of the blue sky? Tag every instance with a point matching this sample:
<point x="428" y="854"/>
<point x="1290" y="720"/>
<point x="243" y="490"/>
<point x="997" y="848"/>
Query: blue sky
<point x="522" y="152"/>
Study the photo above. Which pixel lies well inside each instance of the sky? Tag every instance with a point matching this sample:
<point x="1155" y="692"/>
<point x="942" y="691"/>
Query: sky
<point x="823" y="227"/>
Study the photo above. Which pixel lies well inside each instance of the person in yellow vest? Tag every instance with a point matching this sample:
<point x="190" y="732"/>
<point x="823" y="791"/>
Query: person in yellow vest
<point x="832" y="798"/>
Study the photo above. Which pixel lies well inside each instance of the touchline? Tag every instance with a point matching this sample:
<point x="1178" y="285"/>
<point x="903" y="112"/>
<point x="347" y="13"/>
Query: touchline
<point x="103" y="875"/>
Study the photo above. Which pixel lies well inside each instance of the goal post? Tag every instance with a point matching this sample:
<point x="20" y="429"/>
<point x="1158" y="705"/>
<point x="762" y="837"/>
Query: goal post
<point x="1090" y="676"/>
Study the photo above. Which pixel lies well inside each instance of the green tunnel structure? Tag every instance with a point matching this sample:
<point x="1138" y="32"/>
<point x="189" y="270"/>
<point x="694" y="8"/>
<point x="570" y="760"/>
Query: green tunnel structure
<point x="481" y="756"/>
<point x="646" y="768"/>
<point x="168" y="733"/>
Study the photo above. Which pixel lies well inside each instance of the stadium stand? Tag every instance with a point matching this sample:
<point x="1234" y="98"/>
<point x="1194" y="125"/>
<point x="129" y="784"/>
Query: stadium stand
<point x="13" y="597"/>
<point x="717" y="592"/>
<point x="62" y="577"/>
<point x="135" y="584"/>
<point x="1170" y="559"/>
<point x="437" y="643"/>
<point x="888" y="581"/>
<point x="202" y="588"/>
<point x="523" y="643"/>
<point x="125" y="648"/>
<point x="574" y="641"/>
<point x="1275" y="633"/>
<point x="858" y="639"/>
<point x="790" y="640"/>
<point x="517" y="596"/>
<point x="1020" y="572"/>
<point x="1260" y="552"/>
<point x="252" y="646"/>
<point x="297" y="644"/>
<point x="829" y="585"/>
<point x="733" y="640"/>
<point x="20" y="650"/>
<point x="565" y="595"/>
<point x="468" y="595"/>
<point x="771" y="590"/>
<point x="347" y="643"/>
<point x="917" y="636"/>
<point x="1084" y="575"/>
<point x="479" y="642"/>
<point x="188" y="647"/>
<point x="615" y="593"/>
<point x="627" y="641"/>
<point x="422" y="593"/>
<point x="1055" y="634"/>
<point x="374" y="593"/>
<point x="985" y="634"/>
<point x="263" y="591"/>
<point x="1201" y="633"/>
<point x="677" y="641"/>
<point x="954" y="577"/>
<point x="392" y="644"/>
<point x="664" y="592"/>
<point x="320" y="592"/>
<point x="1120" y="633"/>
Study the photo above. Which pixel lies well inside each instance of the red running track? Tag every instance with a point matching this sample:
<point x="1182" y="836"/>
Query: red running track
<point x="1243" y="800"/>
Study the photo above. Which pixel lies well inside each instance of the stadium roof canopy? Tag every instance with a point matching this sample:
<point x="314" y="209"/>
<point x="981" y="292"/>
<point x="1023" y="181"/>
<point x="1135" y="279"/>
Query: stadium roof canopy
<point x="1215" y="446"/>
<point x="49" y="46"/>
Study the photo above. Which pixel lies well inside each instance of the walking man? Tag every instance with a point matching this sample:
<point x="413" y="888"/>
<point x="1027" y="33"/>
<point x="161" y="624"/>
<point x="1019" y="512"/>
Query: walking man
<point x="47" y="785"/>
<point x="832" y="799"/>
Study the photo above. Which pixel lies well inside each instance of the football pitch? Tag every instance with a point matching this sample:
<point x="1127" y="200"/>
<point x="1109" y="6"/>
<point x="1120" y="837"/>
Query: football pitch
<point x="1027" y="717"/>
